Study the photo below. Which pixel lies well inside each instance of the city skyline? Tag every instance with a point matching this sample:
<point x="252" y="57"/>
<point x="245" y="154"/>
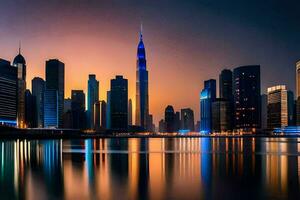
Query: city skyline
<point x="95" y="51"/>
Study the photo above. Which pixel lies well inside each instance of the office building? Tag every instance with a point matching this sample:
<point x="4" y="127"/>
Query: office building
<point x="161" y="126"/>
<point x="108" y="113"/>
<point x="264" y="111"/>
<point x="30" y="110"/>
<point x="55" y="81"/>
<point x="103" y="114"/>
<point x="277" y="107"/>
<point x="207" y="96"/>
<point x="97" y="112"/>
<point x="8" y="93"/>
<point x="130" y="112"/>
<point x="187" y="119"/>
<point x="38" y="89"/>
<point x="247" y="102"/>
<point x="78" y="109"/>
<point x="169" y="119"/>
<point x="225" y="85"/>
<point x="119" y="103"/>
<point x="93" y="97"/>
<point x="221" y="115"/>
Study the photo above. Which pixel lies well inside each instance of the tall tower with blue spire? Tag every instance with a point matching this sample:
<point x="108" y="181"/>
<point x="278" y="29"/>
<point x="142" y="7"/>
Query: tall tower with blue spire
<point x="142" y="95"/>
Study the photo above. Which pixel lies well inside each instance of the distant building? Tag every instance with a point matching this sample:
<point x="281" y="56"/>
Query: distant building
<point x="103" y="114"/>
<point x="291" y="106"/>
<point x="247" y="102"/>
<point x="108" y="113"/>
<point x="38" y="89"/>
<point x="97" y="112"/>
<point x="78" y="109"/>
<point x="177" y="121"/>
<point x="130" y="112"/>
<point x="187" y="119"/>
<point x="119" y="103"/>
<point x="93" y="97"/>
<point x="197" y="126"/>
<point x="150" y="125"/>
<point x="161" y="126"/>
<point x="8" y="93"/>
<point x="20" y="63"/>
<point x="142" y="93"/>
<point x="277" y="107"/>
<point x="221" y="115"/>
<point x="264" y="111"/>
<point x="298" y="93"/>
<point x="169" y="119"/>
<point x="207" y="96"/>
<point x="67" y="104"/>
<point x="30" y="110"/>
<point x="55" y="81"/>
<point x="51" y="108"/>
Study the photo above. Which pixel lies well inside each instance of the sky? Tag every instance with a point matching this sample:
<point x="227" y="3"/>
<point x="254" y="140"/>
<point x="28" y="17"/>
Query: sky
<point x="187" y="42"/>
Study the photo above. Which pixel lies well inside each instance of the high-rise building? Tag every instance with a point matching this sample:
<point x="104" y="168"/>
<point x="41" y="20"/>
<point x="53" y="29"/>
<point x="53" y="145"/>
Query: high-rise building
<point x="264" y="111"/>
<point x="161" y="126"/>
<point x="67" y="104"/>
<point x="55" y="81"/>
<point x="108" y="113"/>
<point x="298" y="93"/>
<point x="187" y="119"/>
<point x="93" y="97"/>
<point x="51" y="108"/>
<point x="129" y="112"/>
<point x="20" y="63"/>
<point x="151" y="126"/>
<point x="142" y="96"/>
<point x="207" y="96"/>
<point x="221" y="115"/>
<point x="30" y="110"/>
<point x="169" y="119"/>
<point x="225" y="85"/>
<point x="103" y="114"/>
<point x="291" y="105"/>
<point x="38" y="89"/>
<point x="78" y="109"/>
<point x="225" y="91"/>
<point x="8" y="93"/>
<point x="97" y="119"/>
<point x="177" y="121"/>
<point x="277" y="107"/>
<point x="247" y="102"/>
<point x="119" y="103"/>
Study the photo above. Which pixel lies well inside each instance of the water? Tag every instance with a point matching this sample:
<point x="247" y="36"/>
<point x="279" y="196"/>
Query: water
<point x="173" y="168"/>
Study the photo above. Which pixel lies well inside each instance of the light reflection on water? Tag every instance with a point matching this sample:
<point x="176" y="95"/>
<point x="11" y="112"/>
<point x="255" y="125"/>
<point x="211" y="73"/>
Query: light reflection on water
<point x="156" y="168"/>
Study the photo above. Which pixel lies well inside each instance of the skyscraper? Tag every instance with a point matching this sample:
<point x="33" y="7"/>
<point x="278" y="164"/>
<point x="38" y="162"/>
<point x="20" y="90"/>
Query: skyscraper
<point x="55" y="81"/>
<point x="247" y="103"/>
<point x="30" y="109"/>
<point x="298" y="93"/>
<point x="78" y="109"/>
<point x="8" y="93"/>
<point x="93" y="97"/>
<point x="277" y="107"/>
<point x="108" y="114"/>
<point x="221" y="115"/>
<point x="207" y="96"/>
<point x="38" y="89"/>
<point x="119" y="103"/>
<point x="142" y="97"/>
<point x="169" y="119"/>
<point x="103" y="114"/>
<point x="97" y="119"/>
<point x="187" y="119"/>
<point x="225" y="84"/>
<point x="51" y="108"/>
<point x="20" y="63"/>
<point x="129" y="112"/>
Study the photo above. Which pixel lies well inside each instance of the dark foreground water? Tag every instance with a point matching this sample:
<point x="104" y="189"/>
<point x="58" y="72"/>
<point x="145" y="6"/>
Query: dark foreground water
<point x="176" y="168"/>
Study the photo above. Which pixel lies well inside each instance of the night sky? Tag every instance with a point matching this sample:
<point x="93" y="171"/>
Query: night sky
<point x="186" y="41"/>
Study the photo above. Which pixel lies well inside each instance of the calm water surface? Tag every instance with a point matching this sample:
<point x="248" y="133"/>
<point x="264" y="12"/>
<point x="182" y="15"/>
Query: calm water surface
<point x="176" y="168"/>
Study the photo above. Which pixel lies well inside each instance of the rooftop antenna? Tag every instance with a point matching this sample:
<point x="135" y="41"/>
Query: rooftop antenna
<point x="141" y="31"/>
<point x="20" y="47"/>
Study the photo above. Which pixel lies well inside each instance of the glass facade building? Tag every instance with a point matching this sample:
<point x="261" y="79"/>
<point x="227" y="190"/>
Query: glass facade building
<point x="51" y="108"/>
<point x="247" y="98"/>
<point x="38" y="89"/>
<point x="93" y="97"/>
<point x="277" y="107"/>
<point x="8" y="93"/>
<point x="207" y="96"/>
<point x="187" y="119"/>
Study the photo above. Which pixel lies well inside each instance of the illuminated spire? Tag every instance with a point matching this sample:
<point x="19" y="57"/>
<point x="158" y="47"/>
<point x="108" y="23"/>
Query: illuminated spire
<point x="141" y="32"/>
<point x="19" y="47"/>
